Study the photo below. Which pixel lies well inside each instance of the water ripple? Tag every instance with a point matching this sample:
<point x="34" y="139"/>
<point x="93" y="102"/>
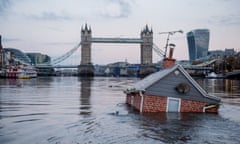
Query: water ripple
<point x="24" y="115"/>
<point x="71" y="110"/>
<point x="26" y="120"/>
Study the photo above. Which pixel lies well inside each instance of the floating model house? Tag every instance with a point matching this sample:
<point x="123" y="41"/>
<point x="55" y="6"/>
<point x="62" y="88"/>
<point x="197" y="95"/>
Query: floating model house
<point x="170" y="90"/>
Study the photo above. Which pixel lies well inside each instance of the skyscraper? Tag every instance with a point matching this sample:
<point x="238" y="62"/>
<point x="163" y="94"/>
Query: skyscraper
<point x="198" y="42"/>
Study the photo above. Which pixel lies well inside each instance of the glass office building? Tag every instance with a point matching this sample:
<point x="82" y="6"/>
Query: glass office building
<point x="198" y="42"/>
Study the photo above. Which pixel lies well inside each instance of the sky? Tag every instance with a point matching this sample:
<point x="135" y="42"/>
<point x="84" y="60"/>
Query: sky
<point x="53" y="27"/>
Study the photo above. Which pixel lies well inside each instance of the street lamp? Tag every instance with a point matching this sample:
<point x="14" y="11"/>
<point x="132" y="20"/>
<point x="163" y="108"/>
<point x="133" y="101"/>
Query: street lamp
<point x="168" y="35"/>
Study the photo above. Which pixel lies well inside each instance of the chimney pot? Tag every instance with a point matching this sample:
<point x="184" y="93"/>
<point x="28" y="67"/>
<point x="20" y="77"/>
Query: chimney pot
<point x="170" y="61"/>
<point x="1" y="42"/>
<point x="171" y="50"/>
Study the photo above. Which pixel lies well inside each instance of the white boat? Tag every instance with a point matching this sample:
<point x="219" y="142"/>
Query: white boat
<point x="213" y="75"/>
<point x="30" y="71"/>
<point x="20" y="72"/>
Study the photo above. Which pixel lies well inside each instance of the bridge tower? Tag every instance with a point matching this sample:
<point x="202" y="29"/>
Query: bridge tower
<point x="86" y="68"/>
<point x="146" y="46"/>
<point x="147" y="66"/>
<point x="86" y="37"/>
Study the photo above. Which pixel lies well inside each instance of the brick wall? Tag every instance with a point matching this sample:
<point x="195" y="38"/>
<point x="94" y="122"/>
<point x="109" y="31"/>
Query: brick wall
<point x="128" y="99"/>
<point x="159" y="104"/>
<point x="191" y="106"/>
<point x="168" y="62"/>
<point x="136" y="101"/>
<point x="154" y="103"/>
<point x="212" y="110"/>
<point x="195" y="106"/>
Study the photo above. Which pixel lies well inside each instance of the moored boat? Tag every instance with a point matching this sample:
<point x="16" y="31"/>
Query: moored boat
<point x="19" y="72"/>
<point x="213" y="75"/>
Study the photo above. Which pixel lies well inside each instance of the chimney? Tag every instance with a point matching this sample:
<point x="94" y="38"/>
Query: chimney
<point x="169" y="61"/>
<point x="1" y="53"/>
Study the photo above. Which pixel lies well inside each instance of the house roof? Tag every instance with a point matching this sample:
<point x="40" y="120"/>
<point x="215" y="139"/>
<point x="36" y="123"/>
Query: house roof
<point x="153" y="78"/>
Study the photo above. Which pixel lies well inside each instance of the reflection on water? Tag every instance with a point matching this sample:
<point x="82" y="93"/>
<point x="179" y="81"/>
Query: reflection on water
<point x="228" y="90"/>
<point x="221" y="87"/>
<point x="85" y="105"/>
<point x="82" y="110"/>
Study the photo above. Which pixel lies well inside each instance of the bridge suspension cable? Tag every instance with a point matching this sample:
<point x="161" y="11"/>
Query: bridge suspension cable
<point x="158" y="50"/>
<point x="65" y="56"/>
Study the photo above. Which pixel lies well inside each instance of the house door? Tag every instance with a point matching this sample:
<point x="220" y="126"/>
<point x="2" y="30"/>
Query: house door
<point x="132" y="100"/>
<point x="173" y="105"/>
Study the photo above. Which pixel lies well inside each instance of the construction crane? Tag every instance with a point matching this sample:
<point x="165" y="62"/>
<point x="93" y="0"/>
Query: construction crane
<point x="168" y="36"/>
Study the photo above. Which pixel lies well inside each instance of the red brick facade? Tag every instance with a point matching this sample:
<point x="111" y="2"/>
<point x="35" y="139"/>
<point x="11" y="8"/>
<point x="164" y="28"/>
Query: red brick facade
<point x="168" y="62"/>
<point x="212" y="110"/>
<point x="191" y="106"/>
<point x="154" y="103"/>
<point x="136" y="100"/>
<point x="128" y="99"/>
<point x="159" y="104"/>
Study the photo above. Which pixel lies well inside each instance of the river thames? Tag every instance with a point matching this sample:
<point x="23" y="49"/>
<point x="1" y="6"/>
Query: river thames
<point x="72" y="110"/>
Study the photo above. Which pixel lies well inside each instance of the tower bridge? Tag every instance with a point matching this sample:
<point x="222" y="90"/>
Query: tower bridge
<point x="86" y="68"/>
<point x="145" y="41"/>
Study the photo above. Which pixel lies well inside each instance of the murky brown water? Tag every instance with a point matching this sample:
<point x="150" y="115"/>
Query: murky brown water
<point x="73" y="110"/>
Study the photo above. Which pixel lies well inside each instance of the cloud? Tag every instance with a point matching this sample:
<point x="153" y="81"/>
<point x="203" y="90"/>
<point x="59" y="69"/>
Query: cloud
<point x="51" y="16"/>
<point x="55" y="29"/>
<point x="117" y="9"/>
<point x="4" y="6"/>
<point x="60" y="43"/>
<point x="11" y="39"/>
<point x="230" y="20"/>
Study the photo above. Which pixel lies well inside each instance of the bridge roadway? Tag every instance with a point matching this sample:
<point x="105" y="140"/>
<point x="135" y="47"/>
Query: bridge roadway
<point x="76" y="66"/>
<point x="57" y="66"/>
<point x="117" y="40"/>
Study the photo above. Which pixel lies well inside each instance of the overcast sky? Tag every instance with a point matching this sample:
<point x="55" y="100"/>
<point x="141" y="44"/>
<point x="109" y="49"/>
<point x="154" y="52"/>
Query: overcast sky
<point x="53" y="26"/>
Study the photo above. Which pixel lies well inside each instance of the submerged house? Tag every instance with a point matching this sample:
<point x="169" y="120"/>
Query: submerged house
<point x="170" y="90"/>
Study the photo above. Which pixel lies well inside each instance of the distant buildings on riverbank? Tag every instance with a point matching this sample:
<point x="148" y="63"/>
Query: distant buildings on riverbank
<point x="222" y="53"/>
<point x="198" y="46"/>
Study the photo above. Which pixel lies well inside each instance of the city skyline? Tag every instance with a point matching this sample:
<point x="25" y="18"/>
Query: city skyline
<point x="53" y="27"/>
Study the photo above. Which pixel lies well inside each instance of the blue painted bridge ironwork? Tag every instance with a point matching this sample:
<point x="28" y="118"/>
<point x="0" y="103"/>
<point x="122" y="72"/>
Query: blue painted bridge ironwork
<point x="117" y="40"/>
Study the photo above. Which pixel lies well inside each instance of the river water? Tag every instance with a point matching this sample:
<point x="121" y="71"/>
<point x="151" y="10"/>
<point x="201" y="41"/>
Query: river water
<point x="72" y="110"/>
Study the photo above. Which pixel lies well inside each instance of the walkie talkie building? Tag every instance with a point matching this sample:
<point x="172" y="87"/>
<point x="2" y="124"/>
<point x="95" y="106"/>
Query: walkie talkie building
<point x="198" y="43"/>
